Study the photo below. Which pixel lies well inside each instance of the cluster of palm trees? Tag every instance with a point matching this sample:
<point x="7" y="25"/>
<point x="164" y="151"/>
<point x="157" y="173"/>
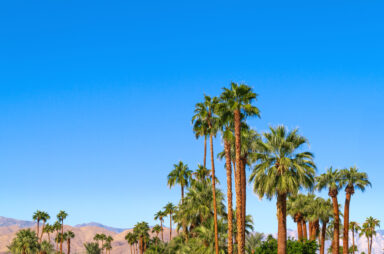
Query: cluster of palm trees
<point x="28" y="241"/>
<point x="104" y="242"/>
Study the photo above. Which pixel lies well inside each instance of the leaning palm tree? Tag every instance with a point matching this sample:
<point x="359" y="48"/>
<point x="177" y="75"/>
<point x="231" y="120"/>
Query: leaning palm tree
<point x="67" y="237"/>
<point x="181" y="175"/>
<point x="332" y="181"/>
<point x="369" y="230"/>
<point x="281" y="170"/>
<point x="352" y="179"/>
<point x="61" y="216"/>
<point x="160" y="216"/>
<point x="355" y="229"/>
<point x="206" y="111"/>
<point x="170" y="210"/>
<point x="239" y="99"/>
<point x="44" y="217"/>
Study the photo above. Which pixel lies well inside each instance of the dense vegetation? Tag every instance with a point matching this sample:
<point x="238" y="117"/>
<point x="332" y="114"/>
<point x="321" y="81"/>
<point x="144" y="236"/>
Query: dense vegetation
<point x="206" y="220"/>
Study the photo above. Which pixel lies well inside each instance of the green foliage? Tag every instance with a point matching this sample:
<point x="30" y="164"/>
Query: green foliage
<point x="269" y="246"/>
<point x="92" y="248"/>
<point x="26" y="242"/>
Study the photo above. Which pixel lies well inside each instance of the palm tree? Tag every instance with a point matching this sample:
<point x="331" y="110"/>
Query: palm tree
<point x="201" y="174"/>
<point x="157" y="229"/>
<point x="170" y="210"/>
<point x="46" y="247"/>
<point x="355" y="228"/>
<point x="92" y="248"/>
<point x="253" y="241"/>
<point x="325" y="214"/>
<point x="239" y="99"/>
<point x="369" y="230"/>
<point x="56" y="228"/>
<point x="108" y="244"/>
<point x="332" y="180"/>
<point x="141" y="230"/>
<point x="67" y="237"/>
<point x="44" y="217"/>
<point x="200" y="128"/>
<point x="61" y="216"/>
<point x="180" y="175"/>
<point x="206" y="112"/>
<point x="295" y="207"/>
<point x="48" y="229"/>
<point x="131" y="238"/>
<point x="37" y="217"/>
<point x="280" y="171"/>
<point x="225" y="124"/>
<point x="160" y="216"/>
<point x="26" y="241"/>
<point x="352" y="179"/>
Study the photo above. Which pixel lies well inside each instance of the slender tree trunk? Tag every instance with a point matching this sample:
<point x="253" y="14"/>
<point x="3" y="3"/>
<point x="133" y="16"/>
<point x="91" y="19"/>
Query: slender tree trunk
<point x="205" y="151"/>
<point x="310" y="227"/>
<point x="69" y="246"/>
<point x="227" y="148"/>
<point x="353" y="241"/>
<point x="182" y="193"/>
<point x="239" y="207"/>
<point x="336" y="231"/>
<point x="61" y="238"/>
<point x="305" y="232"/>
<point x="346" y="220"/>
<point x="37" y="227"/>
<point x="282" y="224"/>
<point x="214" y="196"/>
<point x="42" y="232"/>
<point x="323" y="232"/>
<point x="243" y="196"/>
<point x="299" y="229"/>
<point x="170" y="226"/>
<point x="162" y="234"/>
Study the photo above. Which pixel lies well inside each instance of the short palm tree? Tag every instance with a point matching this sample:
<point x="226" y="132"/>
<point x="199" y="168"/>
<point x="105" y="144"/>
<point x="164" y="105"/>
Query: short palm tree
<point x="160" y="216"/>
<point x="331" y="180"/>
<point x="56" y="228"/>
<point x="170" y="210"/>
<point x="92" y="248"/>
<point x="369" y="230"/>
<point x="67" y="237"/>
<point x="239" y="99"/>
<point x="325" y="211"/>
<point x="282" y="170"/>
<point x="352" y="179"/>
<point x="181" y="175"/>
<point x="26" y="241"/>
<point x="61" y="216"/>
<point x="157" y="229"/>
<point x="46" y="247"/>
<point x="108" y="244"/>
<point x="355" y="229"/>
<point x="130" y="238"/>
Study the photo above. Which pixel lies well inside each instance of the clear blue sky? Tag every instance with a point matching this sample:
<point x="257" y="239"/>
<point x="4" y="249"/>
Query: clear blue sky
<point x="96" y="97"/>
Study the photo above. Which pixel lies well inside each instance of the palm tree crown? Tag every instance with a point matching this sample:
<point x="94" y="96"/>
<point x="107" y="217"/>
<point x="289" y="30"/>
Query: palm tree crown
<point x="181" y="175"/>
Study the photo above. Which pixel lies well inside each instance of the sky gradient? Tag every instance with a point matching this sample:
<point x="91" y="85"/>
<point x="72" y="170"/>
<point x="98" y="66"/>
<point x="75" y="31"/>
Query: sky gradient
<point x="96" y="98"/>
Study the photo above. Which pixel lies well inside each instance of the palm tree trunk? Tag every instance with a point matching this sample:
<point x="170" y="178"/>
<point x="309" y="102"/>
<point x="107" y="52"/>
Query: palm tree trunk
<point x="37" y="228"/>
<point x="69" y="246"/>
<point x="239" y="208"/>
<point x="305" y="232"/>
<point x="310" y="227"/>
<point x="336" y="230"/>
<point x="346" y="221"/>
<point x="205" y="151"/>
<point x="42" y="232"/>
<point x="353" y="241"/>
<point x="170" y="226"/>
<point x="182" y="193"/>
<point x="162" y="231"/>
<point x="323" y="232"/>
<point x="214" y="196"/>
<point x="61" y="238"/>
<point x="243" y="195"/>
<point x="299" y="229"/>
<point x="282" y="224"/>
<point x="229" y="194"/>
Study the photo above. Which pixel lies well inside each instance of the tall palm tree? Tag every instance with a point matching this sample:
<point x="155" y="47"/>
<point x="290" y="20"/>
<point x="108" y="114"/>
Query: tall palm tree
<point x="170" y="210"/>
<point x="44" y="217"/>
<point x="332" y="181"/>
<point x="201" y="174"/>
<point x="225" y="125"/>
<point x="239" y="99"/>
<point x="131" y="238"/>
<point x="181" y="175"/>
<point x="200" y="127"/>
<point x="141" y="230"/>
<point x="160" y="216"/>
<point x="48" y="229"/>
<point x="369" y="230"/>
<point x="56" y="228"/>
<point x="352" y="179"/>
<point x="281" y="170"/>
<point x="61" y="216"/>
<point x="67" y="237"/>
<point x="108" y="244"/>
<point x="355" y="229"/>
<point x="37" y="217"/>
<point x="206" y="111"/>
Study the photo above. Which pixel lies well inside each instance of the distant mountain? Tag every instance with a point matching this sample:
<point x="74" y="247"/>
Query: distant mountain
<point x="6" y="222"/>
<point x="95" y="224"/>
